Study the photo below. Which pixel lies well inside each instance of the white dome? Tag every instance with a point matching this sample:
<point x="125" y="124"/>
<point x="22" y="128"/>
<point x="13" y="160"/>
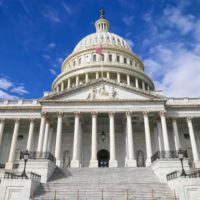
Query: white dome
<point x="101" y="38"/>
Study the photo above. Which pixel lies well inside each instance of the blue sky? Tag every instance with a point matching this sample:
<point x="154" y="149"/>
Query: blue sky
<point x="36" y="36"/>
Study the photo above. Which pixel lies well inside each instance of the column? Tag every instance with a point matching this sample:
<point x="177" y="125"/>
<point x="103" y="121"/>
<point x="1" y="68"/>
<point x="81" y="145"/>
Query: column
<point x="97" y="75"/>
<point x="62" y="86"/>
<point x="108" y="75"/>
<point x="68" y="83"/>
<point x="57" y="88"/>
<point x="131" y="159"/>
<point x="46" y="135"/>
<point x="86" y="77"/>
<point x="9" y="164"/>
<point x="77" y="80"/>
<point x="41" y="133"/>
<point x="30" y="135"/>
<point x="148" y="139"/>
<point x="193" y="142"/>
<point x="176" y="135"/>
<point x="128" y="80"/>
<point x="160" y="136"/>
<point x="49" y="147"/>
<point x="136" y="83"/>
<point x="113" y="161"/>
<point x="2" y="123"/>
<point x="75" y="162"/>
<point x="118" y="78"/>
<point x="58" y="146"/>
<point x="94" y="161"/>
<point x="164" y="130"/>
<point x="143" y="85"/>
<point x="148" y="88"/>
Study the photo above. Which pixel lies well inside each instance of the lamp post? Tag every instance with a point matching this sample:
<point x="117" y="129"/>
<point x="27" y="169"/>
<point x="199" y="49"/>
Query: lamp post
<point x="25" y="157"/>
<point x="103" y="136"/>
<point x="181" y="157"/>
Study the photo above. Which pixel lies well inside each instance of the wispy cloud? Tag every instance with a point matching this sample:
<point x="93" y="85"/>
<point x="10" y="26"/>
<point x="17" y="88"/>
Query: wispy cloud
<point x="53" y="72"/>
<point x="9" y="89"/>
<point x="20" y="90"/>
<point x="52" y="16"/>
<point x="128" y="20"/>
<point x="130" y="42"/>
<point x="67" y="8"/>
<point x="52" y="45"/>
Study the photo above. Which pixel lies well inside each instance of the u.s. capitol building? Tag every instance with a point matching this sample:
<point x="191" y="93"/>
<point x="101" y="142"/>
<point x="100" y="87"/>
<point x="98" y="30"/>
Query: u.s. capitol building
<point x="103" y="112"/>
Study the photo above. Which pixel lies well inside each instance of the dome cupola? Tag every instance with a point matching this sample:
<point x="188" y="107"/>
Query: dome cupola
<point x="102" y="25"/>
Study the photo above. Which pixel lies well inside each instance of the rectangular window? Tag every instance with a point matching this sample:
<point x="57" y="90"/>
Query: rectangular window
<point x="118" y="59"/>
<point x="110" y="57"/>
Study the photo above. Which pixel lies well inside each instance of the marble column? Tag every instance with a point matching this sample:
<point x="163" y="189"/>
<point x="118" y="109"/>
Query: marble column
<point x="75" y="163"/>
<point x="112" y="161"/>
<point x="108" y="75"/>
<point x="10" y="163"/>
<point x="30" y="135"/>
<point x="193" y="142"/>
<point x="46" y="136"/>
<point x="147" y="139"/>
<point x="2" y="123"/>
<point x="58" y="147"/>
<point x="164" y="130"/>
<point x="77" y="80"/>
<point x="143" y="85"/>
<point x="176" y="134"/>
<point x="49" y="147"/>
<point x="68" y="83"/>
<point x="131" y="162"/>
<point x="160" y="136"/>
<point x="62" y="86"/>
<point x="118" y="78"/>
<point x="136" y="83"/>
<point x="94" y="161"/>
<point x="41" y="133"/>
<point x="86" y="77"/>
<point x="97" y="75"/>
<point x="128" y="80"/>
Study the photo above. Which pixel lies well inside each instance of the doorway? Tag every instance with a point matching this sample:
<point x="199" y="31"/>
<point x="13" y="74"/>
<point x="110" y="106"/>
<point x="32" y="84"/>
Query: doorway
<point x="103" y="158"/>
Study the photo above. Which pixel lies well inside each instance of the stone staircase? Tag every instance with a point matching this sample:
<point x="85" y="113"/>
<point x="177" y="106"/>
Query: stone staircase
<point x="112" y="184"/>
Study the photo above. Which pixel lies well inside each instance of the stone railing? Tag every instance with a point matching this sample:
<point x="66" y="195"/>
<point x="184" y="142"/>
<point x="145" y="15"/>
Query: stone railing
<point x="175" y="174"/>
<point x="163" y="155"/>
<point x="35" y="155"/>
<point x="30" y="175"/>
<point x="19" y="102"/>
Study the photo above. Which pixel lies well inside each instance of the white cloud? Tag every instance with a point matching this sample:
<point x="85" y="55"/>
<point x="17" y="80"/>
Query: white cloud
<point x="179" y="70"/>
<point x="128" y="20"/>
<point x="52" y="45"/>
<point x="53" y="72"/>
<point x="130" y="42"/>
<point x="47" y="57"/>
<point x="8" y="88"/>
<point x="20" y="90"/>
<point x="67" y="8"/>
<point x="52" y="16"/>
<point x="5" y="95"/>
<point x="5" y="83"/>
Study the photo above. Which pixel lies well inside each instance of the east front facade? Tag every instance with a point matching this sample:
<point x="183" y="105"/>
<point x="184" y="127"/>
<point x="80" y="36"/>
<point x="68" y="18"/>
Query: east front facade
<point x="103" y="112"/>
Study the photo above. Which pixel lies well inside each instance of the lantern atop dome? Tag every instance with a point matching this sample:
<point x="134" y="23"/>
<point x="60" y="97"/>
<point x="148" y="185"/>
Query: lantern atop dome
<point x="102" y="25"/>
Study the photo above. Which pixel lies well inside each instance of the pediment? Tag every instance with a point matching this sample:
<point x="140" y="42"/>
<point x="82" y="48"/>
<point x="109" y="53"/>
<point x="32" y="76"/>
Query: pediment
<point x="104" y="90"/>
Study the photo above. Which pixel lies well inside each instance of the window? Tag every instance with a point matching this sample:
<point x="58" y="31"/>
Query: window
<point x="131" y="63"/>
<point x="79" y="61"/>
<point x="118" y="59"/>
<point x="94" y="57"/>
<point x="74" y="63"/>
<point x="102" y="57"/>
<point x="124" y="60"/>
<point x="110" y="57"/>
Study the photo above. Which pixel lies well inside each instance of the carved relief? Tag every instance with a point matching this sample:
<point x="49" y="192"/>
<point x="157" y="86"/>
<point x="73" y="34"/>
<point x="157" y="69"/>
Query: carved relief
<point x="102" y="93"/>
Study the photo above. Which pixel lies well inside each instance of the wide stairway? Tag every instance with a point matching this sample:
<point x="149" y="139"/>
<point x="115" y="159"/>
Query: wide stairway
<point x="104" y="184"/>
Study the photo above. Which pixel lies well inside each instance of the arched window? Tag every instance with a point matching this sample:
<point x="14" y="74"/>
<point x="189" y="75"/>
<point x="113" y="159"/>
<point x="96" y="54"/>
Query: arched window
<point x="94" y="58"/>
<point x="110" y="57"/>
<point x="102" y="57"/>
<point x="131" y="63"/>
<point x="74" y="63"/>
<point x="79" y="61"/>
<point x="125" y="60"/>
<point x="118" y="59"/>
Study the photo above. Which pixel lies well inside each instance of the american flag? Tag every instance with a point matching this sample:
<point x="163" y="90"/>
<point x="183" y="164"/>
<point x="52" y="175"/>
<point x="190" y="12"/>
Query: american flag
<point x="99" y="50"/>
